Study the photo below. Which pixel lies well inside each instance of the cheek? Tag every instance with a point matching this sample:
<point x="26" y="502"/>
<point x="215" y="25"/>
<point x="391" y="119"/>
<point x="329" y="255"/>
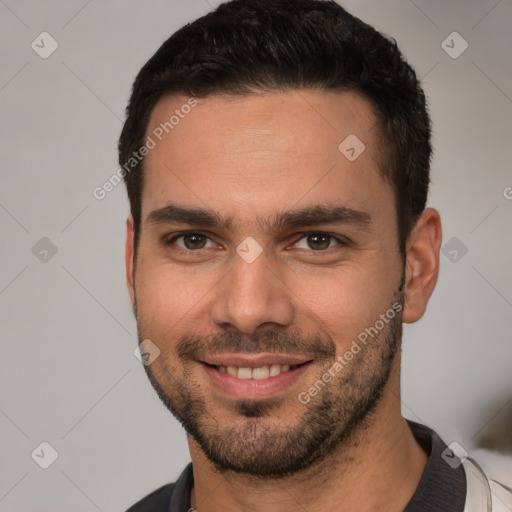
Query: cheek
<point x="169" y="296"/>
<point x="344" y="301"/>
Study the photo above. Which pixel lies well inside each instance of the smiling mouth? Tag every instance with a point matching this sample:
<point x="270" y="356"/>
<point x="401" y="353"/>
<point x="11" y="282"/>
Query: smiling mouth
<point x="266" y="371"/>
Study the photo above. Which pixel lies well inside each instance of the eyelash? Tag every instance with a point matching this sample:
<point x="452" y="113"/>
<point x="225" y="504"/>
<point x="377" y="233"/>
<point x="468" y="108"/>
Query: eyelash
<point x="181" y="234"/>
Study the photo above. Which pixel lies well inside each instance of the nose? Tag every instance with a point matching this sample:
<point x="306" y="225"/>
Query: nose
<point x="252" y="296"/>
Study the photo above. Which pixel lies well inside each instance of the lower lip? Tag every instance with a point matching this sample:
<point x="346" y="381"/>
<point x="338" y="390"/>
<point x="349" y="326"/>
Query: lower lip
<point x="247" y="389"/>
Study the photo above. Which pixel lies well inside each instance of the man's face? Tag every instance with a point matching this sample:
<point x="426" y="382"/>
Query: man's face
<point x="296" y="257"/>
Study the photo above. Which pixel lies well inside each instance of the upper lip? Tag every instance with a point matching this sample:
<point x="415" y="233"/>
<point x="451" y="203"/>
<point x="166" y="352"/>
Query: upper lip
<point x="253" y="360"/>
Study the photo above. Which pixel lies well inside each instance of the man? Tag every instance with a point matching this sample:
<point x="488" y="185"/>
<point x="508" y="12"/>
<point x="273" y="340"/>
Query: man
<point x="276" y="156"/>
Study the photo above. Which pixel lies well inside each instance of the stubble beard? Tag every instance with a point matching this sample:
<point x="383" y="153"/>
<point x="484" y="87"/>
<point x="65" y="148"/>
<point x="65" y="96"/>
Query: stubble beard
<point x="332" y="419"/>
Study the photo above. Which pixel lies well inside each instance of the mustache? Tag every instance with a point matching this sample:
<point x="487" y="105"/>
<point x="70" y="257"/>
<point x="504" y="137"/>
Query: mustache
<point x="198" y="347"/>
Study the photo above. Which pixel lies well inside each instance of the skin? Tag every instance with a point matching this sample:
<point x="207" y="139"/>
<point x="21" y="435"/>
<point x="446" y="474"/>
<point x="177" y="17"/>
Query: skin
<point x="252" y="157"/>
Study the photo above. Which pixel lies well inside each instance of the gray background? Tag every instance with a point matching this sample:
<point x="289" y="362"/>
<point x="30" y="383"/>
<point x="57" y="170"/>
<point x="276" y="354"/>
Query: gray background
<point x="68" y="373"/>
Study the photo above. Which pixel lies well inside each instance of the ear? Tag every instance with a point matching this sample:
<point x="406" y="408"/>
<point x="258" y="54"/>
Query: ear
<point x="129" y="258"/>
<point x="422" y="264"/>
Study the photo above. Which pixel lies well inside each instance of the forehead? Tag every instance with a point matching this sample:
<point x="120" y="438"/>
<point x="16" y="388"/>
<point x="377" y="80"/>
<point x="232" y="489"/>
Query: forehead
<point x="246" y="155"/>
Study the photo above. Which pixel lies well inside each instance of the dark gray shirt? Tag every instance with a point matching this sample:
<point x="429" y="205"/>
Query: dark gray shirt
<point x="441" y="488"/>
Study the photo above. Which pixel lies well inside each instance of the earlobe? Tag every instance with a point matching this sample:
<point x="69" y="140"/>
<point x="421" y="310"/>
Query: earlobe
<point x="422" y="264"/>
<point x="129" y="258"/>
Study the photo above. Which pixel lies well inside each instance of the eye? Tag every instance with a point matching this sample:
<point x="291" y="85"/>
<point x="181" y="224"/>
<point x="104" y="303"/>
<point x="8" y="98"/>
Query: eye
<point x="190" y="240"/>
<point x="318" y="241"/>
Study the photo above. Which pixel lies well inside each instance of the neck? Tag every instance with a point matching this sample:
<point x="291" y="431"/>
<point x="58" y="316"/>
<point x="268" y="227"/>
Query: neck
<point x="384" y="457"/>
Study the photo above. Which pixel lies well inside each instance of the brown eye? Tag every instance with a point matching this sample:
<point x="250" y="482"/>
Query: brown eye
<point x="194" y="241"/>
<point x="317" y="241"/>
<point x="190" y="241"/>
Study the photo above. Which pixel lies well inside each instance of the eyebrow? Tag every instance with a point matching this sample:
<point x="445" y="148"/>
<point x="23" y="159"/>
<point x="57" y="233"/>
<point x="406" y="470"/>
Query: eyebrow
<point x="309" y="216"/>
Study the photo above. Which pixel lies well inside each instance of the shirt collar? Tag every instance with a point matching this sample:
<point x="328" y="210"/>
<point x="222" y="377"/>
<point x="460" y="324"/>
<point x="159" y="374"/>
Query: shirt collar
<point x="441" y="487"/>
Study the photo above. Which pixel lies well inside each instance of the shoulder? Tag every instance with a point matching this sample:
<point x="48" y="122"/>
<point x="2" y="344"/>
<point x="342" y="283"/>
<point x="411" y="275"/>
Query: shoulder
<point x="157" y="501"/>
<point x="483" y="492"/>
<point x="174" y="497"/>
<point x="501" y="497"/>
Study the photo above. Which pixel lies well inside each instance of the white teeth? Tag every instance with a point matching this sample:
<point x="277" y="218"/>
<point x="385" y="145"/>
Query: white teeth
<point x="259" y="373"/>
<point x="244" y="373"/>
<point x="232" y="370"/>
<point x="275" y="369"/>
<point x="262" y="372"/>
